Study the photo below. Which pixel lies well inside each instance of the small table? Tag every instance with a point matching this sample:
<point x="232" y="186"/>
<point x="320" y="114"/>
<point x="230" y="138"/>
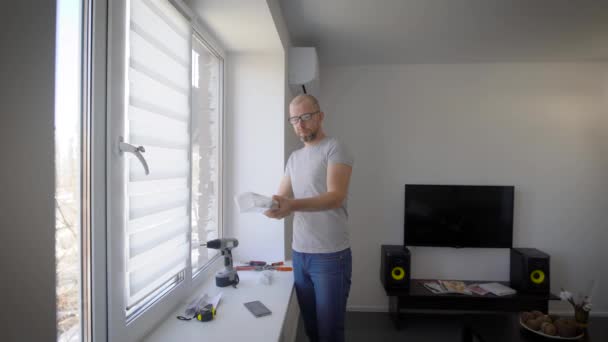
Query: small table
<point x="419" y="297"/>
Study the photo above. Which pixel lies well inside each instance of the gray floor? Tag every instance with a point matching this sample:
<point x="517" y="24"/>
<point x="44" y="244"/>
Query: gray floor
<point x="376" y="326"/>
<point x="495" y="327"/>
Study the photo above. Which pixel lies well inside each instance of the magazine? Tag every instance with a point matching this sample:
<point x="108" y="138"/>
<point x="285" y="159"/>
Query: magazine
<point x="447" y="286"/>
<point x="498" y="289"/>
<point x="454" y="286"/>
<point x="478" y="290"/>
<point x="459" y="287"/>
<point x="434" y="287"/>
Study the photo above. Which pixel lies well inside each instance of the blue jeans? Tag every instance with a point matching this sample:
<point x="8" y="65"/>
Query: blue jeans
<point x="322" y="282"/>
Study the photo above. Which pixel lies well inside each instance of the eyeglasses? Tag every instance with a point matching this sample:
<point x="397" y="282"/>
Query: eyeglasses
<point x="294" y="120"/>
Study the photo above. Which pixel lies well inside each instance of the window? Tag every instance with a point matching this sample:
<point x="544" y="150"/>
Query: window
<point x="69" y="171"/>
<point x="164" y="164"/>
<point x="157" y="117"/>
<point x="206" y="154"/>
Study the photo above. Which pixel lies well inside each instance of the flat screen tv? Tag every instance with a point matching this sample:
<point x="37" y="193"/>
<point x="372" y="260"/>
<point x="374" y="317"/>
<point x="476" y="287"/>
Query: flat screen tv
<point x="458" y="216"/>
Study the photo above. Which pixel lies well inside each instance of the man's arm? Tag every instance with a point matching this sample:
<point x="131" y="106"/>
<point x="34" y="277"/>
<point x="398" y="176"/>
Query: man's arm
<point x="338" y="179"/>
<point x="285" y="189"/>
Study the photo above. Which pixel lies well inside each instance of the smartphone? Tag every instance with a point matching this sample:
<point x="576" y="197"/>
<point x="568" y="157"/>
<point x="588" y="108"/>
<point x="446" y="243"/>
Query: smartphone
<point x="257" y="308"/>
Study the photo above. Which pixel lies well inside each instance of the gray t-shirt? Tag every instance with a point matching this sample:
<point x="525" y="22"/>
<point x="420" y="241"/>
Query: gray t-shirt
<point x="318" y="231"/>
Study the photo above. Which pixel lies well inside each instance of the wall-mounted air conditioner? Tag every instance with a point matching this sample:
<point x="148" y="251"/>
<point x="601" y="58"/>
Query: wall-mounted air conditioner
<point x="304" y="71"/>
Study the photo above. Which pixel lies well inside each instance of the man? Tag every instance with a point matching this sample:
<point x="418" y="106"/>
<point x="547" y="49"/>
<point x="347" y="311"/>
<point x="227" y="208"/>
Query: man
<point x="314" y="188"/>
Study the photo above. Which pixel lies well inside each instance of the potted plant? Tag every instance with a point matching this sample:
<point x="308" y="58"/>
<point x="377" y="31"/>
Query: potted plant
<point x="582" y="305"/>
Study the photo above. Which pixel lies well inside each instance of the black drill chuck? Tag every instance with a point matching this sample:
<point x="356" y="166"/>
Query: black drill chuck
<point x="222" y="243"/>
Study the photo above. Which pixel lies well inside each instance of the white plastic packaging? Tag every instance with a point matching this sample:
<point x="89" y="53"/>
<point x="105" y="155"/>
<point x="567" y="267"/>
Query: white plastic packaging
<point x="250" y="202"/>
<point x="265" y="278"/>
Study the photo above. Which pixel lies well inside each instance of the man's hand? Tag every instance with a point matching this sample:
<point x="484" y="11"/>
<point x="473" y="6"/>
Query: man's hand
<point x="283" y="209"/>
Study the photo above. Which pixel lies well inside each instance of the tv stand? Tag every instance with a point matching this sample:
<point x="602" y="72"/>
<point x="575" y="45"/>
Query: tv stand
<point x="419" y="297"/>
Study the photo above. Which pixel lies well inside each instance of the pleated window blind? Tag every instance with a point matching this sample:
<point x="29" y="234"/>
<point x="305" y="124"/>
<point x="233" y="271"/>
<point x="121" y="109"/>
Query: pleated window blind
<point x="157" y="118"/>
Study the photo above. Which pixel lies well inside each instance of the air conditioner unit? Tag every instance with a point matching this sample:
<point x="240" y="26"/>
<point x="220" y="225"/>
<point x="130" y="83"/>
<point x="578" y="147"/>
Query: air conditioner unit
<point x="304" y="71"/>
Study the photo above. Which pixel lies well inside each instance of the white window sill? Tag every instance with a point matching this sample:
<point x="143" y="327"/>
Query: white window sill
<point x="233" y="321"/>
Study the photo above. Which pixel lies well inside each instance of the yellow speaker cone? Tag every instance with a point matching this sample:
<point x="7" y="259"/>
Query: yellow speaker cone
<point x="398" y="273"/>
<point x="537" y="276"/>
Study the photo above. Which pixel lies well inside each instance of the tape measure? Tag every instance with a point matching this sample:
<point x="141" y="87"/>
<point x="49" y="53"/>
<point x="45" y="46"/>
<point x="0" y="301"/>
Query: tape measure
<point x="207" y="314"/>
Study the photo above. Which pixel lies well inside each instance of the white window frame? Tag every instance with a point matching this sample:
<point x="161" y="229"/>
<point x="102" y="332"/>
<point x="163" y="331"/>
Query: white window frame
<point x="85" y="194"/>
<point x="98" y="14"/>
<point x="208" y="42"/>
<point x="112" y="282"/>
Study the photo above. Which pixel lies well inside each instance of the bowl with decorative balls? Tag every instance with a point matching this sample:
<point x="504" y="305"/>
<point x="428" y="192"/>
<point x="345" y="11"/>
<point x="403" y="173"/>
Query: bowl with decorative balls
<point x="550" y="326"/>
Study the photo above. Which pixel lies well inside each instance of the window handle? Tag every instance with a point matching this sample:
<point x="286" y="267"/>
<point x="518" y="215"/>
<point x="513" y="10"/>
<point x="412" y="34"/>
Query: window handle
<point x="136" y="150"/>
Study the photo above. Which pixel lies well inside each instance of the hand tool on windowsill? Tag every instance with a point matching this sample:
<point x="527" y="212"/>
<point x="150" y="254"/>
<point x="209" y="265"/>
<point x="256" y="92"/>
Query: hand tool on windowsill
<point x="263" y="263"/>
<point x="256" y="263"/>
<point x="264" y="268"/>
<point x="206" y="314"/>
<point x="228" y="275"/>
<point x="282" y="268"/>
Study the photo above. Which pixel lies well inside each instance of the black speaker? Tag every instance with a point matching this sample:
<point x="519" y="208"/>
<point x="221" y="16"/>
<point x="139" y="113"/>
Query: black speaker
<point x="530" y="270"/>
<point x="395" y="267"/>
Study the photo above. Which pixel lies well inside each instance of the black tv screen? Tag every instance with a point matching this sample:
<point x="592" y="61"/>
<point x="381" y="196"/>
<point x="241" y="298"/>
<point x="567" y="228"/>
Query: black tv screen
<point x="458" y="216"/>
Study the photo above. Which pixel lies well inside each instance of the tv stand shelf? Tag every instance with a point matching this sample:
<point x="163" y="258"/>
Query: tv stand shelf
<point x="418" y="297"/>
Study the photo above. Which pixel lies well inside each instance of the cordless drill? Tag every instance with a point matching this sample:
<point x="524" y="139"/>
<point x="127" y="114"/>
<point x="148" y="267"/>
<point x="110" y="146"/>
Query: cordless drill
<point x="228" y="275"/>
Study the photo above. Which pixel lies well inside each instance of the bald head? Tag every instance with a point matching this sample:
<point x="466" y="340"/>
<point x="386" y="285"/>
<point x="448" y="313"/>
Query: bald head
<point x="309" y="125"/>
<point x="311" y="100"/>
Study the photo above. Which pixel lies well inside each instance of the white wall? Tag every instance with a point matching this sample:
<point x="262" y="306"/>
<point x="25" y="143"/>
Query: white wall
<point x="27" y="171"/>
<point x="540" y="127"/>
<point x="255" y="122"/>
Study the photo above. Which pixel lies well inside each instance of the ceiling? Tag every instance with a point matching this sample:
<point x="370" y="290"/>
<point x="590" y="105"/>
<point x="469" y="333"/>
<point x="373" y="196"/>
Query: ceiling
<point x="352" y="32"/>
<point x="239" y="25"/>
